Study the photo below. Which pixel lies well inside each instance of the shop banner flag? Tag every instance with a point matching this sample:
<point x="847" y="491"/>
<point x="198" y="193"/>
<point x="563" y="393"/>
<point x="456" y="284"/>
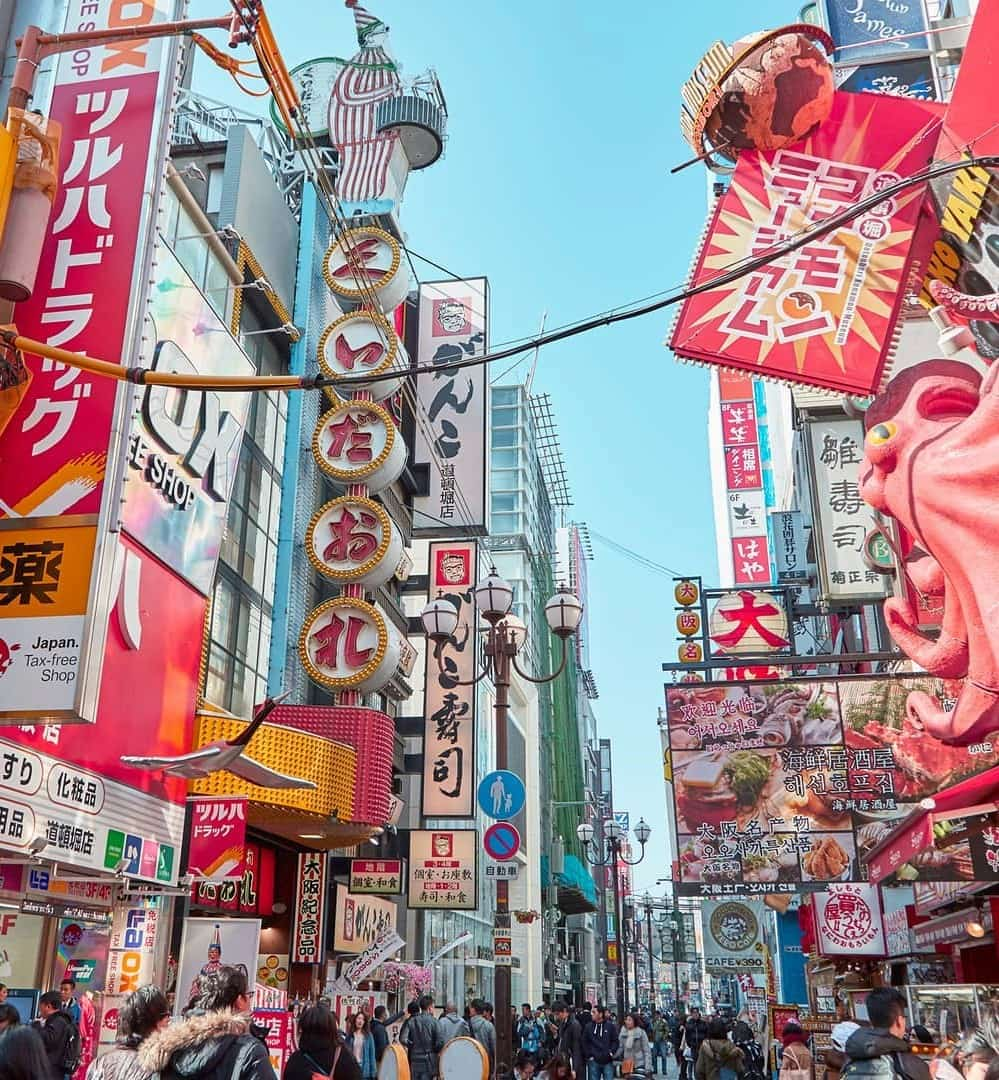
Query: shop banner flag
<point x="387" y="944"/>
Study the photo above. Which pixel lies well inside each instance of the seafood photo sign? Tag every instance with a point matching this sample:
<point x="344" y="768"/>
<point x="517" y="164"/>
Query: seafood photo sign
<point x="784" y="786"/>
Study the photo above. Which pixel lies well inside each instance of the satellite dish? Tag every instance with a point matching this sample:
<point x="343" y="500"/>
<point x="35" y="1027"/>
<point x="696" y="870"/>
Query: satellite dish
<point x="463" y="1059"/>
<point x="394" y="1064"/>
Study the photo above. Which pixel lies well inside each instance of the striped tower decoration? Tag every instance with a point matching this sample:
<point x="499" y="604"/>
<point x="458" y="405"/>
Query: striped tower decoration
<point x="369" y="77"/>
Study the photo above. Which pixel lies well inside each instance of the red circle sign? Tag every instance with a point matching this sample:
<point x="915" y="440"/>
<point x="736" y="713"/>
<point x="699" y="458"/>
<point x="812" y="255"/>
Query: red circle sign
<point x="501" y="841"/>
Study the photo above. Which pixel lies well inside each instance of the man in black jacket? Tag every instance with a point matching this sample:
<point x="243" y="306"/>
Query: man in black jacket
<point x="880" y="1052"/>
<point x="215" y="1041"/>
<point x="569" y="1039"/>
<point x="695" y="1031"/>
<point x="56" y="1030"/>
<point x="423" y="1041"/>
<point x="600" y="1042"/>
<point x="379" y="1029"/>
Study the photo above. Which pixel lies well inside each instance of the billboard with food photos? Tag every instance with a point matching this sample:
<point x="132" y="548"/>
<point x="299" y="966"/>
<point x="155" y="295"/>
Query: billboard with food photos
<point x="785" y="786"/>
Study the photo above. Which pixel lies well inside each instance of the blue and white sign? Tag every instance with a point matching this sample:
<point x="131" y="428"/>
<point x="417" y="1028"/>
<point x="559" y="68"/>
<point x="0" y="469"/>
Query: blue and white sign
<point x="501" y="841"/>
<point x="911" y="78"/>
<point x="623" y="818"/>
<point x="885" y="25"/>
<point x="502" y="795"/>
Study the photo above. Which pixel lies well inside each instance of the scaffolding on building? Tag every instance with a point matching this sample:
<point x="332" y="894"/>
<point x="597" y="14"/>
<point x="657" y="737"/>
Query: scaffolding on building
<point x="550" y="451"/>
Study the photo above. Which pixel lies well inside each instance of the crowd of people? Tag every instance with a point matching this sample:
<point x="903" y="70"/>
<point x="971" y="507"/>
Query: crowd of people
<point x="217" y="1039"/>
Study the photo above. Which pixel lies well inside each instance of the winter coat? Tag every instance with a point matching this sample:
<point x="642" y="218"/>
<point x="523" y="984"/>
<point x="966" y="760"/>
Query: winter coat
<point x="450" y="1026"/>
<point x="570" y="1044"/>
<point x="422" y="1040"/>
<point x="311" y="1058"/>
<point x="56" y="1032"/>
<point x="207" y="1046"/>
<point x="796" y="1057"/>
<point x="484" y="1033"/>
<point x="633" y="1045"/>
<point x="715" y="1055"/>
<point x="379" y="1032"/>
<point x="600" y="1042"/>
<point x="121" y="1063"/>
<point x="660" y="1031"/>
<point x="369" y="1067"/>
<point x="869" y="1044"/>
<point x="694" y="1033"/>
<point x="835" y="1060"/>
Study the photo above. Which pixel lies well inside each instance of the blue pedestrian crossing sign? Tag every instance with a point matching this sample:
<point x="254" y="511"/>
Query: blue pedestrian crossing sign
<point x="501" y="795"/>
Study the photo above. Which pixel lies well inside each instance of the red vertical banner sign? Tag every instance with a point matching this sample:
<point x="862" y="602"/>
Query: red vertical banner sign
<point x="218" y="837"/>
<point x="310" y="908"/>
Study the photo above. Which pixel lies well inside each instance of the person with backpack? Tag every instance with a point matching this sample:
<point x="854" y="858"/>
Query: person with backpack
<point x="881" y="1052"/>
<point x="754" y="1063"/>
<point x="529" y="1032"/>
<point x="717" y="1057"/>
<point x="320" y="1049"/>
<point x="796" y="1061"/>
<point x="60" y="1035"/>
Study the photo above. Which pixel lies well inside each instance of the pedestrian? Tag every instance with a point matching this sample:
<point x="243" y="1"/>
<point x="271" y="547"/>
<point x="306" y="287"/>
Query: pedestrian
<point x="9" y="1018"/>
<point x="529" y="1031"/>
<point x="633" y="1049"/>
<point x="88" y="1034"/>
<point x="483" y="1031"/>
<point x="881" y="1050"/>
<point x="145" y="1010"/>
<point x="835" y="1055"/>
<point x="523" y="1066"/>
<point x="660" y="1041"/>
<point x="22" y="1054"/>
<point x="215" y="1040"/>
<point x="67" y="993"/>
<point x="559" y="1069"/>
<point x="380" y="1023"/>
<point x="796" y="1061"/>
<point x="754" y="1063"/>
<point x="695" y="1031"/>
<point x="3" y="993"/>
<point x="59" y="1034"/>
<point x="450" y="1025"/>
<point x="717" y="1057"/>
<point x="600" y="1042"/>
<point x="361" y="1044"/>
<point x="320" y="1049"/>
<point x="412" y="1009"/>
<point x="569" y="1040"/>
<point x="423" y="1042"/>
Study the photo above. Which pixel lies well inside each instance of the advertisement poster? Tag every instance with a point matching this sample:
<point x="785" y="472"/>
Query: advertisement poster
<point x="848" y="921"/>
<point x="81" y="954"/>
<point x="272" y="970"/>
<point x="20" y="944"/>
<point x="912" y="78"/>
<point x="218" y="836"/>
<point x="732" y="941"/>
<point x="442" y="869"/>
<point x="360" y="920"/>
<point x="207" y="944"/>
<point x="785" y="786"/>
<point x="825" y="314"/>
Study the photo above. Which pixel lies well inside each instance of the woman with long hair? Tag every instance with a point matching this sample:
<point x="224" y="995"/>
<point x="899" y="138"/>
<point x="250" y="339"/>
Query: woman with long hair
<point x="22" y="1054"/>
<point x="361" y="1044"/>
<point x="320" y="1049"/>
<point x="556" y="1069"/>
<point x="796" y="1061"/>
<point x="633" y="1050"/>
<point x="145" y="1011"/>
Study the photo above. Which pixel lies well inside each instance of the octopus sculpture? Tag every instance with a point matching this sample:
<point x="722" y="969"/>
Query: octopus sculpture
<point x="931" y="461"/>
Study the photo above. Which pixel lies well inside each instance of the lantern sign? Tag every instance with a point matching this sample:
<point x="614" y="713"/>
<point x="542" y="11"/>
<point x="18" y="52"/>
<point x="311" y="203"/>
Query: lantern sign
<point x="357" y="442"/>
<point x="690" y="652"/>
<point x="746" y="622"/>
<point x="363" y="343"/>
<point x="878" y="554"/>
<point x="352" y="539"/>
<point x="347" y="642"/>
<point x="688" y="623"/>
<point x="365" y="264"/>
<point x="687" y="593"/>
<point x="692" y="677"/>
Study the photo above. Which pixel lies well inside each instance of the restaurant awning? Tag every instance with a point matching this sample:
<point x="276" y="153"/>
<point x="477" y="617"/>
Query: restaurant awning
<point x="976" y="795"/>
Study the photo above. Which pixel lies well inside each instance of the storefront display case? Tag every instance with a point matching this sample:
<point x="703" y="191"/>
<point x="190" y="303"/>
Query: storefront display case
<point x="951" y="1011"/>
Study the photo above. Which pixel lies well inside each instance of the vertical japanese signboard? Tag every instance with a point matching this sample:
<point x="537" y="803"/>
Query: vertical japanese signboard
<point x="825" y="314"/>
<point x="842" y="519"/>
<point x="744" y="480"/>
<point x="449" y="709"/>
<point x="451" y="436"/>
<point x="218" y="837"/>
<point x="442" y="869"/>
<point x="310" y="907"/>
<point x="790" y="546"/>
<point x="111" y="103"/>
<point x="131" y="957"/>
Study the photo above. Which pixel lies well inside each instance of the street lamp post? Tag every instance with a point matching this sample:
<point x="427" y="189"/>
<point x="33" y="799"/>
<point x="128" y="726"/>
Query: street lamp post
<point x="613" y="833"/>
<point x="648" y="933"/>
<point x="504" y="638"/>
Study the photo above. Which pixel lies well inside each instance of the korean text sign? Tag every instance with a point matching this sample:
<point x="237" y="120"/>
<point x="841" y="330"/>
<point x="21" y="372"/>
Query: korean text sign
<point x="453" y="326"/>
<point x="825" y="314"/>
<point x="787" y="786"/>
<point x="449" y="709"/>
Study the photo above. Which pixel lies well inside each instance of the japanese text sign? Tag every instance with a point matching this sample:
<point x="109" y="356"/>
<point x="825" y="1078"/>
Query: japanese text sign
<point x="360" y="920"/>
<point x="217" y="837"/>
<point x="746" y="622"/>
<point x="824" y="314"/>
<point x="842" y="518"/>
<point x="310" y="907"/>
<point x="442" y="869"/>
<point x="790" y="550"/>
<point x="376" y="876"/>
<point x="251" y="894"/>
<point x="848" y="921"/>
<point x="453" y="326"/>
<point x="386" y="944"/>
<point x="449" y="709"/>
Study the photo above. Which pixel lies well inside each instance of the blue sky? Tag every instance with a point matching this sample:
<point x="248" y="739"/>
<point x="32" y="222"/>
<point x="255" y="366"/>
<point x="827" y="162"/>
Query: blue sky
<point x="564" y="122"/>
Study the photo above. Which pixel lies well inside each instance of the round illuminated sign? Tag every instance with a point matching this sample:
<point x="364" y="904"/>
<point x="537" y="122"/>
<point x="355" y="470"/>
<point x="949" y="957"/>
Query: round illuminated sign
<point x="354" y="539"/>
<point x="357" y="442"/>
<point x="365" y="264"/>
<point x="690" y="652"/>
<point x="745" y="622"/>
<point x="362" y="343"/>
<point x="347" y="643"/>
<point x="734" y="927"/>
<point x="686" y="592"/>
<point x="878" y="554"/>
<point x="688" y="623"/>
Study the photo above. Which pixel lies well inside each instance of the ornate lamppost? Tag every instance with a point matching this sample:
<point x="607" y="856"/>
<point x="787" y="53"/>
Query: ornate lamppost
<point x="613" y="835"/>
<point x="504" y="639"/>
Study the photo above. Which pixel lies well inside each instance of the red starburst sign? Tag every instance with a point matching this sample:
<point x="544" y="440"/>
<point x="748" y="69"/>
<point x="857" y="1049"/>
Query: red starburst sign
<point x="825" y="314"/>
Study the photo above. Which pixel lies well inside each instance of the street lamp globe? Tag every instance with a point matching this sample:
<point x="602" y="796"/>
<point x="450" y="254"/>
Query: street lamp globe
<point x="642" y="832"/>
<point x="563" y="613"/>
<point x="440" y="619"/>
<point x="516" y="628"/>
<point x="613" y="829"/>
<point x="494" y="597"/>
<point x="584" y="831"/>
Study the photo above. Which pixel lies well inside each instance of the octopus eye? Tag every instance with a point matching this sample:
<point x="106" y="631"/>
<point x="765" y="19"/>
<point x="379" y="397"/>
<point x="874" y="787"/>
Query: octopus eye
<point x="881" y="433"/>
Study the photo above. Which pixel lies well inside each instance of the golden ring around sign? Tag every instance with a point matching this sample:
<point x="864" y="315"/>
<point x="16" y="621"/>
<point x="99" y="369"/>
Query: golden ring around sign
<point x="351" y="238"/>
<point x="355" y="678"/>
